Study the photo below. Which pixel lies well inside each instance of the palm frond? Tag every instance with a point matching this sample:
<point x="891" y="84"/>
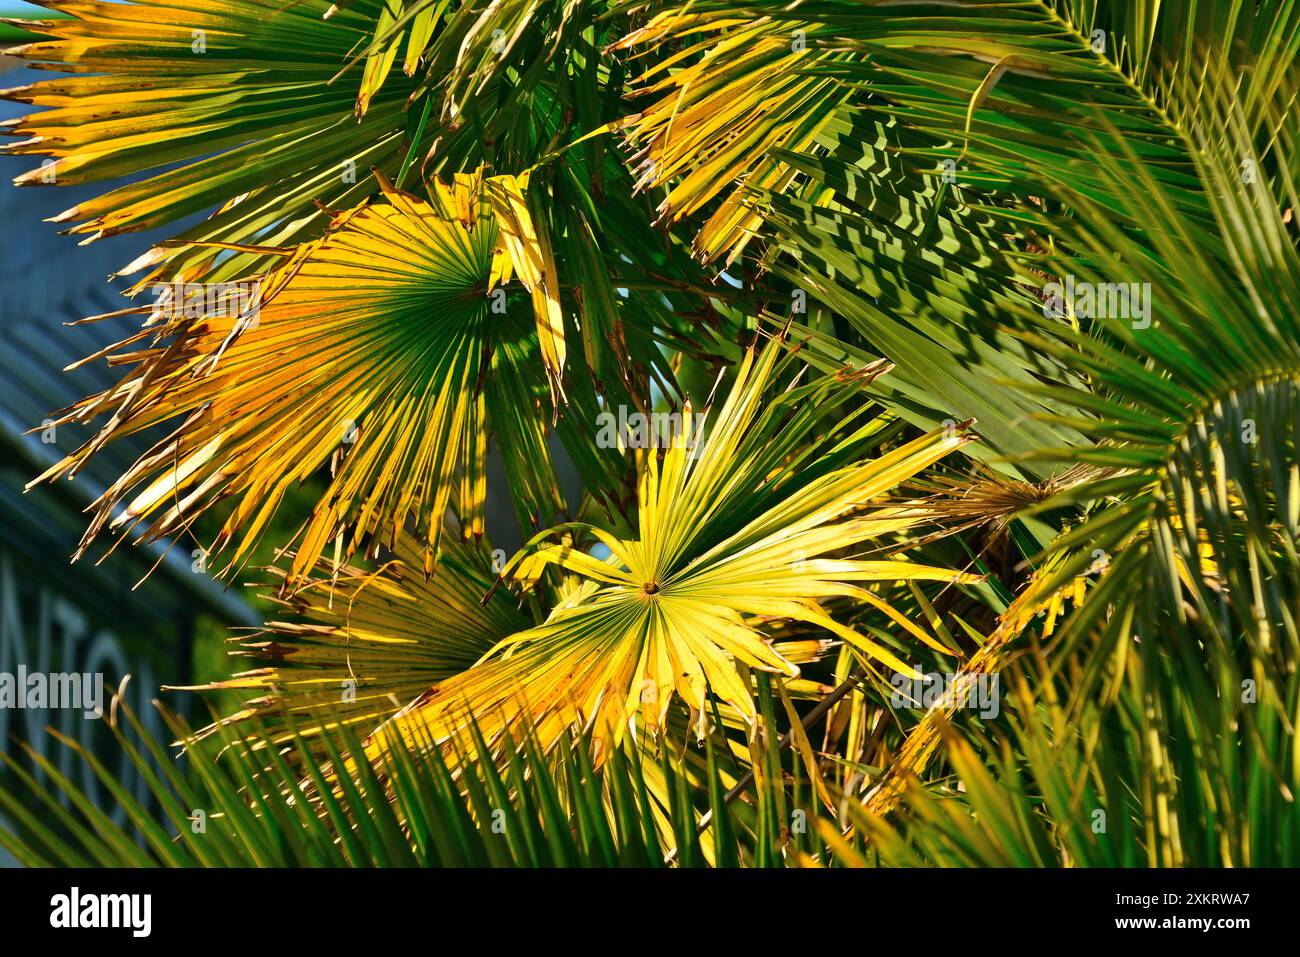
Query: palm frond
<point x="377" y="351"/>
<point x="356" y="645"/>
<point x="741" y="528"/>
<point x="520" y="808"/>
<point x="238" y="94"/>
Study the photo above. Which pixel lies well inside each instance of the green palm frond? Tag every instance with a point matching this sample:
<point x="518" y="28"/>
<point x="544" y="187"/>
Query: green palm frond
<point x="356" y="645"/>
<point x="525" y="809"/>
<point x="1192" y="516"/>
<point x="1214" y="782"/>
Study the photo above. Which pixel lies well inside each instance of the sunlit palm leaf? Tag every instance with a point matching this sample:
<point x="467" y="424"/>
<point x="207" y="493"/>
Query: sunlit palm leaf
<point x="355" y="645"/>
<point x="371" y="351"/>
<point x="238" y="94"/>
<point x="718" y="110"/>
<point x="736" y="531"/>
<point x="463" y="47"/>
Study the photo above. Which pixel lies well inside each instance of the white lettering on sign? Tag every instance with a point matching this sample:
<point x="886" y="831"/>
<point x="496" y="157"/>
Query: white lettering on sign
<point x="48" y="662"/>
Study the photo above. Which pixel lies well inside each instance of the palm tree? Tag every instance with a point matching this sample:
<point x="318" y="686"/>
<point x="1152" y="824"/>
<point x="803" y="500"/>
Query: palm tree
<point x="883" y="339"/>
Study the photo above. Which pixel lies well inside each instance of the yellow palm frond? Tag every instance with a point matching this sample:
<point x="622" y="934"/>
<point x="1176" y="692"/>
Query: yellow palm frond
<point x="355" y="645"/>
<point x="732" y="533"/>
<point x="238" y="94"/>
<point x="376" y="350"/>
<point x="720" y="108"/>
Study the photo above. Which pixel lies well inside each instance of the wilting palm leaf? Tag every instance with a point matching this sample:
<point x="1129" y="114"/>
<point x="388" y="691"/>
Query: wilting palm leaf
<point x="370" y="350"/>
<point x="719" y="110"/>
<point x="735" y="532"/>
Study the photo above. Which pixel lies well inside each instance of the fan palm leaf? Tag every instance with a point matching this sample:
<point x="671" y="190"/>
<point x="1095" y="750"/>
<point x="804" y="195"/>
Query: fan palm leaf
<point x="355" y="645"/>
<point x="738" y="533"/>
<point x="374" y="350"/>
<point x="228" y="106"/>
<point x="720" y="110"/>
